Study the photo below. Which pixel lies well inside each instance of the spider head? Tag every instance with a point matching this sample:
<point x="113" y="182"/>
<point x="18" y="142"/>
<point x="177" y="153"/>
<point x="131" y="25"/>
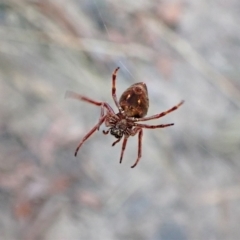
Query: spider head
<point x="116" y="132"/>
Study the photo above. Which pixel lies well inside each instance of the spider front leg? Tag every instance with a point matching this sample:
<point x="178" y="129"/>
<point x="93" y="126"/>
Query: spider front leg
<point x="101" y="114"/>
<point x="101" y="120"/>
<point x="74" y="95"/>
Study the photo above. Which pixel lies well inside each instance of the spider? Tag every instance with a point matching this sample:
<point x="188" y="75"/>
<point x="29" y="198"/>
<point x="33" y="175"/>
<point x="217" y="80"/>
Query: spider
<point x="132" y="109"/>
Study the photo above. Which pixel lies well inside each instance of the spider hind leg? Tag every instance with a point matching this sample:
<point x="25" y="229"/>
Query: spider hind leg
<point x="140" y="134"/>
<point x="101" y="120"/>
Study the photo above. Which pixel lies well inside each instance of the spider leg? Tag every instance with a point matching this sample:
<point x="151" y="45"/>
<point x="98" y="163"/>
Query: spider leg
<point x="123" y="148"/>
<point x="74" y="95"/>
<point x="101" y="114"/>
<point x="153" y="126"/>
<point x="140" y="134"/>
<point x="101" y="120"/>
<point x="114" y="76"/>
<point x="160" y="114"/>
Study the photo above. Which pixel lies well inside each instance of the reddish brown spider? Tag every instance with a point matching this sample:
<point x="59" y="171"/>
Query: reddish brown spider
<point x="132" y="106"/>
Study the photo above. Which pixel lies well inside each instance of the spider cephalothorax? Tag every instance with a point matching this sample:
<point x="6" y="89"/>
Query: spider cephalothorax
<point x="132" y="106"/>
<point x="120" y="128"/>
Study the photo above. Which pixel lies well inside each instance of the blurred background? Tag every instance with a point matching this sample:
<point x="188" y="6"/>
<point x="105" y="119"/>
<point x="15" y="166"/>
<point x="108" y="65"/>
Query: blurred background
<point x="187" y="183"/>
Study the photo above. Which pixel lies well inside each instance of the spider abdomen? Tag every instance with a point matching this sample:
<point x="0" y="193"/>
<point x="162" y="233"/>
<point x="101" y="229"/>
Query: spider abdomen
<point x="134" y="101"/>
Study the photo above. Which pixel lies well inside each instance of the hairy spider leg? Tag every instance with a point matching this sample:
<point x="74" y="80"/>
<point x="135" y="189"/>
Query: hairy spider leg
<point x="114" y="76"/>
<point x="101" y="120"/>
<point x="74" y="95"/>
<point x="123" y="148"/>
<point x="140" y="134"/>
<point x="101" y="114"/>
<point x="159" y="114"/>
<point x="153" y="126"/>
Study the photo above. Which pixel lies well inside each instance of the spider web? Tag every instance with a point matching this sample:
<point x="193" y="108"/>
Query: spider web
<point x="186" y="185"/>
<point x="190" y="157"/>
